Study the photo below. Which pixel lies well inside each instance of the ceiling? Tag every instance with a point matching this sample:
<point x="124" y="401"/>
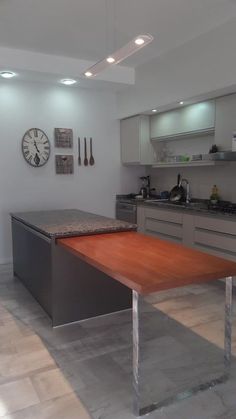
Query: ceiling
<point x="90" y="29"/>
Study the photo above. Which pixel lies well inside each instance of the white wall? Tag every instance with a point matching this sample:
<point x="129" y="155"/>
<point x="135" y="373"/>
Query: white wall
<point x="205" y="64"/>
<point x="89" y="113"/>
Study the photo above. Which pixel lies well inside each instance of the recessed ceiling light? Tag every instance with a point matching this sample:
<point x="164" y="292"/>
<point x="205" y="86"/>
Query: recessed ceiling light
<point x="110" y="60"/>
<point x="181" y="102"/>
<point x="120" y="55"/>
<point x="68" y="82"/>
<point x="7" y="74"/>
<point x="139" y="41"/>
<point x="154" y="110"/>
<point x="88" y="74"/>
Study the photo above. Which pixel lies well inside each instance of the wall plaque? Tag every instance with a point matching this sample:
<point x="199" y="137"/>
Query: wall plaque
<point x="63" y="137"/>
<point x="64" y="164"/>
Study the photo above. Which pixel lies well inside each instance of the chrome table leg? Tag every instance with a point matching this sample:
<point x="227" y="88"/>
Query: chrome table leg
<point x="228" y="322"/>
<point x="136" y="352"/>
<point x="137" y="408"/>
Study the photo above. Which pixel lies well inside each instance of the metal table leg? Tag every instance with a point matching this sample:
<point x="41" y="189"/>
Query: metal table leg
<point x="228" y="322"/>
<point x="136" y="352"/>
<point x="137" y="408"/>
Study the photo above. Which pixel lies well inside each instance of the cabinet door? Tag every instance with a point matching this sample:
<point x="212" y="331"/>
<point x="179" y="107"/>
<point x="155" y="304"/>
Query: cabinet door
<point x="130" y="140"/>
<point x="199" y="117"/>
<point x="147" y="152"/>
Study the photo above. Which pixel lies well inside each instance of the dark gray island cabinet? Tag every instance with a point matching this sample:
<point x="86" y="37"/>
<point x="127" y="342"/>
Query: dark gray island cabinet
<point x="68" y="288"/>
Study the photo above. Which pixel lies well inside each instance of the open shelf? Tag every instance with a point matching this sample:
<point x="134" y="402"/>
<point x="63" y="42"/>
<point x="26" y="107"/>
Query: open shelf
<point x="198" y="163"/>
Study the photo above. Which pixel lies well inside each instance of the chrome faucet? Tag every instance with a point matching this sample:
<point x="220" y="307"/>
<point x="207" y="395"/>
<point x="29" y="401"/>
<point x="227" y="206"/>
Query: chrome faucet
<point x="187" y="190"/>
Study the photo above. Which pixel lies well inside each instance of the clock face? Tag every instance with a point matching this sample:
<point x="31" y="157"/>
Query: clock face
<point x="36" y="147"/>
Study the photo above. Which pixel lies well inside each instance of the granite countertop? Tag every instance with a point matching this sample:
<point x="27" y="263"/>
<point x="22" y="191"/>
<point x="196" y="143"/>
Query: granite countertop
<point x="71" y="222"/>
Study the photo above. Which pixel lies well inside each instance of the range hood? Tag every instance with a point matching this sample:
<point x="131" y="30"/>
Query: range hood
<point x="223" y="156"/>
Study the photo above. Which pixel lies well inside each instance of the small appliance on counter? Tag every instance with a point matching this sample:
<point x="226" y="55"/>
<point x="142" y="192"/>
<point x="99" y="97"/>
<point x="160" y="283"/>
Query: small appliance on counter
<point x="126" y="205"/>
<point x="145" y="188"/>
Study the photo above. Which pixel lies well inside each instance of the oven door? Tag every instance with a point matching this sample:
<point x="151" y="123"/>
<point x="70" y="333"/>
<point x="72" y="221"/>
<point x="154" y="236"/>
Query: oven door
<point x="126" y="212"/>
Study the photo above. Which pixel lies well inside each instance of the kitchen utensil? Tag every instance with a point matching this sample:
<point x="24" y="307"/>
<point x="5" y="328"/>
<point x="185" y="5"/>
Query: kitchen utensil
<point x="177" y="193"/>
<point x="85" y="152"/>
<point x="143" y="190"/>
<point x="91" y="160"/>
<point x="79" y="155"/>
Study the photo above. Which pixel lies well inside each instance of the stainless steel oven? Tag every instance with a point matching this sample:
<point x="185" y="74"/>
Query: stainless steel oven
<point x="126" y="211"/>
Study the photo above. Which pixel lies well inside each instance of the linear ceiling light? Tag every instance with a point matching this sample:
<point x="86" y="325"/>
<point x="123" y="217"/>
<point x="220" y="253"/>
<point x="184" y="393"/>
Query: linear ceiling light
<point x="121" y="54"/>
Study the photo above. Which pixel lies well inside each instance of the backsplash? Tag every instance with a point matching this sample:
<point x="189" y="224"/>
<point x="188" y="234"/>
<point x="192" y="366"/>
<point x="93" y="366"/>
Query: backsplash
<point x="201" y="180"/>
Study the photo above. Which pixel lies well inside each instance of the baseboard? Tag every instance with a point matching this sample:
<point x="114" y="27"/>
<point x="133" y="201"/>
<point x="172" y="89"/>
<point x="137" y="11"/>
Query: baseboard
<point x="6" y="261"/>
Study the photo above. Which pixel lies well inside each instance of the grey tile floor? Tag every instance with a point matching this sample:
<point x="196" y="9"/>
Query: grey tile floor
<point x="84" y="370"/>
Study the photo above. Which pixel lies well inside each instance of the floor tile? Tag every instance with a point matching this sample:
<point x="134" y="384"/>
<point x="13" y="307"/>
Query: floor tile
<point x="17" y="395"/>
<point x="51" y="384"/>
<point x="64" y="373"/>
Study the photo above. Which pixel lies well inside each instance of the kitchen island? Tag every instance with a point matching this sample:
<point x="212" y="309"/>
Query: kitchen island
<point x="66" y="287"/>
<point x="76" y="272"/>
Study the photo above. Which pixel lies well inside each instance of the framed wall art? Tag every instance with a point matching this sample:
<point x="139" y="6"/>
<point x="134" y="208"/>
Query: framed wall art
<point x="63" y="137"/>
<point x="64" y="164"/>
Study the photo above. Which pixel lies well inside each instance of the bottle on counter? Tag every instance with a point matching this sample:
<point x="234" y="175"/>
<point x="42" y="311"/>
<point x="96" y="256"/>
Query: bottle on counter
<point x="234" y="141"/>
<point x="214" y="198"/>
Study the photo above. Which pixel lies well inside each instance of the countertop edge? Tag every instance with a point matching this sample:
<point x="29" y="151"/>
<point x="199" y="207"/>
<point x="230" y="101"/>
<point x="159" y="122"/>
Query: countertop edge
<point x="59" y="235"/>
<point x="193" y="211"/>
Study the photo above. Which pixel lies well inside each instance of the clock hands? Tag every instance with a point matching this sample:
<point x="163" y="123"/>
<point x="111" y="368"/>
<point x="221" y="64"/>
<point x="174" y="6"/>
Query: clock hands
<point x="36" y="147"/>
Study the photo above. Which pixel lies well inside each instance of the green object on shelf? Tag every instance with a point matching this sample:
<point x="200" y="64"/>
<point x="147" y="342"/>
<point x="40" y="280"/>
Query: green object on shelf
<point x="214" y="195"/>
<point x="184" y="158"/>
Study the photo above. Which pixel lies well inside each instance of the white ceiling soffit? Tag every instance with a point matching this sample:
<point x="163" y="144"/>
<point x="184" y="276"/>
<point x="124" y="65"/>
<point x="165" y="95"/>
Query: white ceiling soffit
<point x="92" y="29"/>
<point x="21" y="60"/>
<point x="121" y="54"/>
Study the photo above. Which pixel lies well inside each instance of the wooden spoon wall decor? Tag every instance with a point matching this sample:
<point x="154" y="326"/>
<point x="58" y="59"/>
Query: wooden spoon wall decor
<point x="91" y="160"/>
<point x="86" y="161"/>
<point x="85" y="152"/>
<point x="79" y="154"/>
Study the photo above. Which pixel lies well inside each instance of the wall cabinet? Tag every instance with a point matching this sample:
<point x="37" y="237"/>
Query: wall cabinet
<point x="213" y="235"/>
<point x="196" y="119"/>
<point x="136" y="147"/>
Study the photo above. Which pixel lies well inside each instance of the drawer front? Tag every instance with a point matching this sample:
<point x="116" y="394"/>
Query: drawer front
<point x="216" y="224"/>
<point x="164" y="215"/>
<point x="216" y="252"/>
<point x="215" y="240"/>
<point x="164" y="228"/>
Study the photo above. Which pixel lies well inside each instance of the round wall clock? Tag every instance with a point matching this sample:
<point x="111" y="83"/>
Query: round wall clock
<point x="35" y="147"/>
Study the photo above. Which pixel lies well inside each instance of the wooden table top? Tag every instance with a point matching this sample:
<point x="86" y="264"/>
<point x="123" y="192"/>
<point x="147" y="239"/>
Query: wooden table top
<point x="146" y="264"/>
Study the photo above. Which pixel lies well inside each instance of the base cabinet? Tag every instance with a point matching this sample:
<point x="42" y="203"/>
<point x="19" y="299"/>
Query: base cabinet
<point x="215" y="236"/>
<point x="209" y="234"/>
<point x="164" y="224"/>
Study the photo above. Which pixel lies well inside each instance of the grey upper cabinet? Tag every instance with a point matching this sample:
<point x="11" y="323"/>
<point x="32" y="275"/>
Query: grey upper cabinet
<point x="196" y="119"/>
<point x="136" y="147"/>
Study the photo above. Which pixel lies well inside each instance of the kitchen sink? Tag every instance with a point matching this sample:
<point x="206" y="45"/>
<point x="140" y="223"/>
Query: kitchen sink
<point x="192" y="205"/>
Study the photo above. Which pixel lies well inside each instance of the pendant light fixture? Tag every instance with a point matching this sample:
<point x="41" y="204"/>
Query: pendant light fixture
<point x="121" y="54"/>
